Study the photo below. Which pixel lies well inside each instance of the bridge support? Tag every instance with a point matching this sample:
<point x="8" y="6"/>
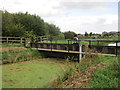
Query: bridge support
<point x="80" y="50"/>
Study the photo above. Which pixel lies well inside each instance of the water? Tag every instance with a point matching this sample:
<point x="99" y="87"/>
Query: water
<point x="113" y="44"/>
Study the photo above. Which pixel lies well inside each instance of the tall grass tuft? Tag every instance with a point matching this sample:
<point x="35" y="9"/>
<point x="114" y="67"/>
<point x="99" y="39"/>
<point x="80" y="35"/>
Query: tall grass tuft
<point x="106" y="77"/>
<point x="87" y="60"/>
<point x="72" y="67"/>
<point x="13" y="56"/>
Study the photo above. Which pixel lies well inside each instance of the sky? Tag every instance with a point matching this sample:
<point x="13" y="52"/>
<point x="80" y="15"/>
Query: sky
<point x="79" y="16"/>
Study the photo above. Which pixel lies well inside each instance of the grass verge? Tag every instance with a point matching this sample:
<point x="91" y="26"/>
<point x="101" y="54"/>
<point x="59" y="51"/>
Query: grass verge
<point x="11" y="45"/>
<point x="13" y="56"/>
<point x="106" y="77"/>
<point x="41" y="73"/>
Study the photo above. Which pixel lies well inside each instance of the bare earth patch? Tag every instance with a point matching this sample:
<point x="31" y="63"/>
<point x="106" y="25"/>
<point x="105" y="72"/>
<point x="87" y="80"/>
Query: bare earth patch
<point x="11" y="48"/>
<point x="80" y="79"/>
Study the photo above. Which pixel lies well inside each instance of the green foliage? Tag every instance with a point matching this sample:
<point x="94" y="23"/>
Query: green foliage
<point x="86" y="34"/>
<point x="13" y="56"/>
<point x="29" y="34"/>
<point x="106" y="77"/>
<point x="20" y="24"/>
<point x="11" y="45"/>
<point x="69" y="35"/>
<point x="53" y="32"/>
<point x="91" y="34"/>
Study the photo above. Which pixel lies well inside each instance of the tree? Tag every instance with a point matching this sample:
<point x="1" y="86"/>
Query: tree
<point x="86" y="34"/>
<point x="24" y="24"/>
<point x="90" y="34"/>
<point x="29" y="34"/>
<point x="53" y="32"/>
<point x="69" y="35"/>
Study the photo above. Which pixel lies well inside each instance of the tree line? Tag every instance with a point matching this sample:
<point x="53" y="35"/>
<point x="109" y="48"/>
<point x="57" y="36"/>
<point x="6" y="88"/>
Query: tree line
<point x="27" y="25"/>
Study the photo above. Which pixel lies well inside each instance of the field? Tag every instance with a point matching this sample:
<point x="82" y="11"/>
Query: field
<point x="41" y="73"/>
<point x="27" y="68"/>
<point x="83" y="42"/>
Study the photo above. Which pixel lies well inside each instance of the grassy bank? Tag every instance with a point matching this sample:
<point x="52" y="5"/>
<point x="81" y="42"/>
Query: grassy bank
<point x="103" y="77"/>
<point x="41" y="73"/>
<point x="11" y="45"/>
<point x="106" y="77"/>
<point x="12" y="56"/>
<point x="46" y="73"/>
<point x="34" y="72"/>
<point x="93" y="72"/>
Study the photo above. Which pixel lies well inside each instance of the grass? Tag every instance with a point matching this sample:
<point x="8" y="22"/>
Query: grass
<point x="13" y="56"/>
<point x="106" y="38"/>
<point x="32" y="74"/>
<point x="106" y="77"/>
<point x="47" y="73"/>
<point x="83" y="42"/>
<point x="11" y="45"/>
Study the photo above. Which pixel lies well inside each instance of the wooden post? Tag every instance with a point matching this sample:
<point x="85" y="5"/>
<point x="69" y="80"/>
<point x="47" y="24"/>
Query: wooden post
<point x="68" y="45"/>
<point x="51" y="45"/>
<point x="7" y="39"/>
<point x="98" y="43"/>
<point x="21" y="40"/>
<point x="116" y="48"/>
<point x="89" y="43"/>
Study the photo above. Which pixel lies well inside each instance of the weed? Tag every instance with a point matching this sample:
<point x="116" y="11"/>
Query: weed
<point x="12" y="56"/>
<point x="11" y="45"/>
<point x="106" y="77"/>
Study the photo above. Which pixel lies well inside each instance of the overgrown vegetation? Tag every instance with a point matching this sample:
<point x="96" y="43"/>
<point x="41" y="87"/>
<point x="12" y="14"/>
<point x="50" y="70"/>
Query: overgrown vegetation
<point x="106" y="77"/>
<point x="66" y="72"/>
<point x="13" y="56"/>
<point x="11" y="45"/>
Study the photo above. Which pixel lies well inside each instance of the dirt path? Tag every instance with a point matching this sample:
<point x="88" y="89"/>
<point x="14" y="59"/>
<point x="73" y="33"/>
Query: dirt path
<point x="80" y="79"/>
<point x="11" y="48"/>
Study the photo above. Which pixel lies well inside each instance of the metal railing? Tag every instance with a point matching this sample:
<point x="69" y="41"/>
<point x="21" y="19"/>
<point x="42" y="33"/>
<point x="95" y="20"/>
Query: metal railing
<point x="90" y="43"/>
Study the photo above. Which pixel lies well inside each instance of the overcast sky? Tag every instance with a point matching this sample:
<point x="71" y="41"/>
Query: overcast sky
<point x="79" y="16"/>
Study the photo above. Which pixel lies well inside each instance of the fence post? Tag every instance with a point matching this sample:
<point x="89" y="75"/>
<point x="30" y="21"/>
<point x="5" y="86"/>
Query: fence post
<point x="89" y="43"/>
<point x="51" y="45"/>
<point x="68" y="45"/>
<point x="21" y="40"/>
<point x="116" y="48"/>
<point x="98" y="43"/>
<point x="7" y="39"/>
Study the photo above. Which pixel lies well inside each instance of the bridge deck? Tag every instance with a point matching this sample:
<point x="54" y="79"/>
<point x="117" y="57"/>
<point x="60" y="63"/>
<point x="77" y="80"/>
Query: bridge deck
<point x="73" y="52"/>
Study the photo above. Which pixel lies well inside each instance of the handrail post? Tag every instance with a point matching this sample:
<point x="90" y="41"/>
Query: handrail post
<point x="89" y="43"/>
<point x="68" y="45"/>
<point x="80" y="51"/>
<point x="97" y="43"/>
<point x="51" y="45"/>
<point x="116" y="48"/>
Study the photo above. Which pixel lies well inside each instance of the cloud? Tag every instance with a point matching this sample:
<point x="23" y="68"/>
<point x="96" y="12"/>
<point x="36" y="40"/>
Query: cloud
<point x="82" y="5"/>
<point x="75" y="15"/>
<point x="81" y="24"/>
